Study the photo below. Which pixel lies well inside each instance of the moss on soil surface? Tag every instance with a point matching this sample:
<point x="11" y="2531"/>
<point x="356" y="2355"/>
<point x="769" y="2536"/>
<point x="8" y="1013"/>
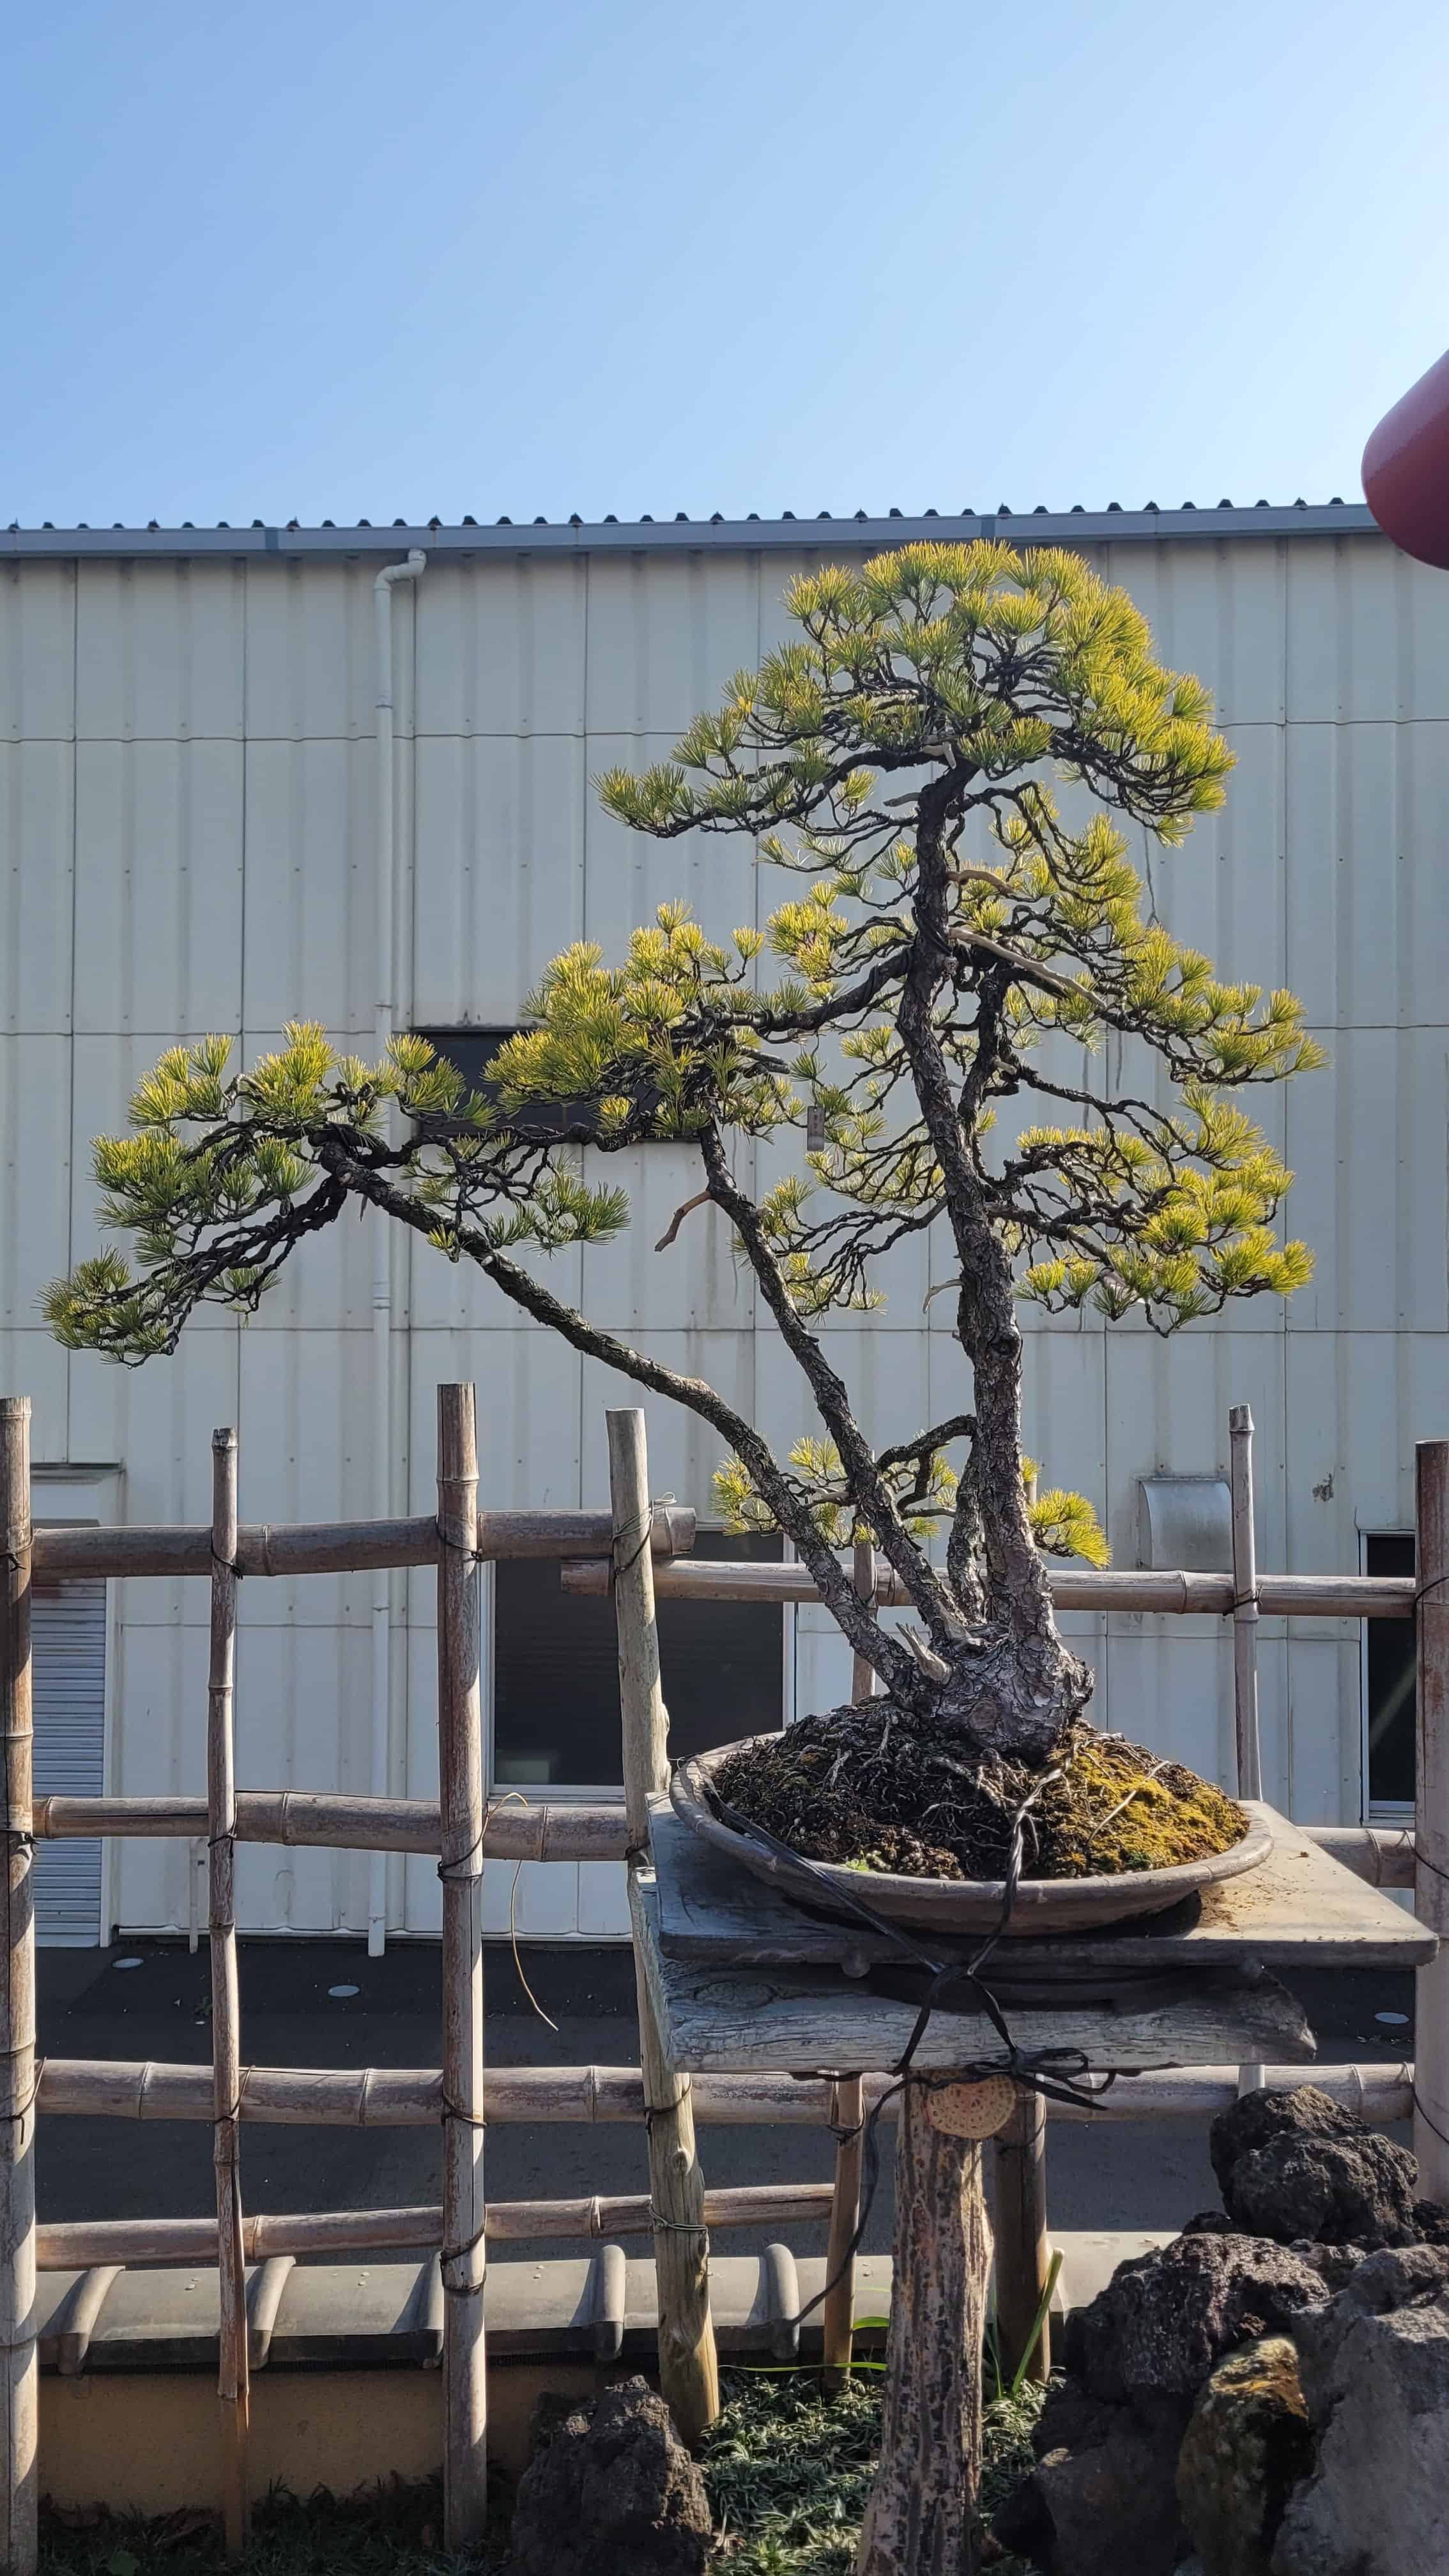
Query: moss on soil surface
<point x="787" y="2472"/>
<point x="867" y="1788"/>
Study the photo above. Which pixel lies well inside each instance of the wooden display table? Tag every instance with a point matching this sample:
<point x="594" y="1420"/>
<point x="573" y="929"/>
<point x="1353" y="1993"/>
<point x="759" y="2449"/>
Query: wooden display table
<point x="741" y="1979"/>
<point x="1301" y="1909"/>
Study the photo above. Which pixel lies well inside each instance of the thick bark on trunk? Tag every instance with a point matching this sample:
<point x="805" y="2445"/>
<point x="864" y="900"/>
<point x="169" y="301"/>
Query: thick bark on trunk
<point x="922" y="2516"/>
<point x="1015" y="1687"/>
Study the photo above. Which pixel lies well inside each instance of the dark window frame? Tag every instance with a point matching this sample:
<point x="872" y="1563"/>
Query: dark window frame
<point x="691" y="1620"/>
<point x="471" y="1049"/>
<point x="1388" y="1696"/>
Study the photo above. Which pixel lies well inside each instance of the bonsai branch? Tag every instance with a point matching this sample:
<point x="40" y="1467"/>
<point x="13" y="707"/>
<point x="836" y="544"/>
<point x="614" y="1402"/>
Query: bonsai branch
<point x="895" y="1666"/>
<point x="871" y="1494"/>
<point x="700" y="1199"/>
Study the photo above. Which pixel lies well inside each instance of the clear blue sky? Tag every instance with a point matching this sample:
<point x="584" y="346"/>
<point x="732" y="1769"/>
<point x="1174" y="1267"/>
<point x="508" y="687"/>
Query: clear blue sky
<point x="549" y="255"/>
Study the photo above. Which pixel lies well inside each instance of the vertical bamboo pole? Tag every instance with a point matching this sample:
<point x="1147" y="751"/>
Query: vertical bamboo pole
<point x="460" y="1767"/>
<point x="838" y="2318"/>
<point x="688" y="2368"/>
<point x="838" y="2315"/>
<point x="1023" y="2255"/>
<point x="1245" y="1604"/>
<point x="18" y="2368"/>
<point x="1431" y="1816"/>
<point x="1245" y="1633"/>
<point x="232" y="2381"/>
<point x="864" y="1681"/>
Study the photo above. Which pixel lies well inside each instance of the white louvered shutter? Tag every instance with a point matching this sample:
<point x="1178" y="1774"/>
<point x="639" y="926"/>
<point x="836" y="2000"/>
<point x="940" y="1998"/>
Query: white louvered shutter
<point x="68" y="1652"/>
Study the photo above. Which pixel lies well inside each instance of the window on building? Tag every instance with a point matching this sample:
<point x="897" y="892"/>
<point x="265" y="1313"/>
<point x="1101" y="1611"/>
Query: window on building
<point x="556" y="1674"/>
<point x="1390" y="1713"/>
<point x="473" y="1050"/>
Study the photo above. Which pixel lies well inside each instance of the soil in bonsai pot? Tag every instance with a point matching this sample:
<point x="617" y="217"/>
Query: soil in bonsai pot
<point x="871" y="1788"/>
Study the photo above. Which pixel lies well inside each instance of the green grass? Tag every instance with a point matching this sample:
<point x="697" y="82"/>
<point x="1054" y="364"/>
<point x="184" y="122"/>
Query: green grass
<point x="788" y="2471"/>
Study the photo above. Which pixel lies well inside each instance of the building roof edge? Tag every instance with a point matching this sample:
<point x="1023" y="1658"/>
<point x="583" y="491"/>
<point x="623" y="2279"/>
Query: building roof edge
<point x="695" y="536"/>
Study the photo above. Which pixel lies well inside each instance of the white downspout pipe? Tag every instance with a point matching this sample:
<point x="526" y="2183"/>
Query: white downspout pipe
<point x="382" y="590"/>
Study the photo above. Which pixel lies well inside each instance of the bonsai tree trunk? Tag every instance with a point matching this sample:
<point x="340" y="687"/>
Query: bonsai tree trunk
<point x="922" y="2516"/>
<point x="1014" y="1685"/>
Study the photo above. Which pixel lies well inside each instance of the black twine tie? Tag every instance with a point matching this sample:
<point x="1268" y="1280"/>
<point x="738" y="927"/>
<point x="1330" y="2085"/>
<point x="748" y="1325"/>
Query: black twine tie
<point x="1059" y="2074"/>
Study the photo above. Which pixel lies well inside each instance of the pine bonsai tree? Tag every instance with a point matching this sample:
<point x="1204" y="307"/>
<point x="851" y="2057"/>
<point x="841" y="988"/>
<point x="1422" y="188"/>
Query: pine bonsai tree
<point x="958" y="940"/>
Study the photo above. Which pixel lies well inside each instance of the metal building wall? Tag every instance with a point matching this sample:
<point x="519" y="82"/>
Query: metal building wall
<point x="186" y="768"/>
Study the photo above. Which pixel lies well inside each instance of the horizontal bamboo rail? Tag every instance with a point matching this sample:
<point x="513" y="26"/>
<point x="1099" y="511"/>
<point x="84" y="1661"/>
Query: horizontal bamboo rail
<point x="403" y="2097"/>
<point x="1379" y="2094"/>
<point x="339" y="1547"/>
<point x="557" y="1830"/>
<point x="411" y="2096"/>
<point x="1280" y="1596"/>
<point x="1382" y="1854"/>
<point x="72" y="2245"/>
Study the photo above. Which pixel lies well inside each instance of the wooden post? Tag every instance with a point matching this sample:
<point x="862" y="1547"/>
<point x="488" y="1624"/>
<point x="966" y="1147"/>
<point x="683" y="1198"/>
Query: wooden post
<point x="838" y="2318"/>
<point x="1246" y="1739"/>
<point x="233" y="2386"/>
<point x="1023" y="2255"/>
<point x="1245" y="1604"/>
<point x="460" y="1776"/>
<point x="838" y="2315"/>
<point x="688" y="2368"/>
<point x="19" y="2376"/>
<point x="1431" y="1816"/>
<point x="920" y="2517"/>
<point x="864" y="1679"/>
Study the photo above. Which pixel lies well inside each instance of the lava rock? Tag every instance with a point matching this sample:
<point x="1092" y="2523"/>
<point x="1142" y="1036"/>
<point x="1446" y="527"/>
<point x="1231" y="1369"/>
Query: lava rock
<point x="1259" y="2118"/>
<point x="612" y="2492"/>
<point x="1292" y="2165"/>
<point x="1101" y="2495"/>
<point x="1431" y="2219"/>
<point x="1334" y="2264"/>
<point x="1374" y="2367"/>
<point x="1245" y="2449"/>
<point x="1339" y="2191"/>
<point x="1167" y="2318"/>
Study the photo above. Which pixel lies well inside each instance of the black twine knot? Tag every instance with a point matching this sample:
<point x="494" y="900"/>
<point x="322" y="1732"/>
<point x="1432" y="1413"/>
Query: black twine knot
<point x="655" y="1503"/>
<point x="456" y="1872"/>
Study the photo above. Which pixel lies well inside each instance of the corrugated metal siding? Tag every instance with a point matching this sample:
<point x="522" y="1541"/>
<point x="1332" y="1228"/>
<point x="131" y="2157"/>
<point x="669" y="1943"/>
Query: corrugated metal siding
<point x="186" y="804"/>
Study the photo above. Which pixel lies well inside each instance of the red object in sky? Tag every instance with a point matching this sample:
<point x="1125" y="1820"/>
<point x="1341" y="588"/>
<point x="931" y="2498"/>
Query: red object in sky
<point x="1406" y="469"/>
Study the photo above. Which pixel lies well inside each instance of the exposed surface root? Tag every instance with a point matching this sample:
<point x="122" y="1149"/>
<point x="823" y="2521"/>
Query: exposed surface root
<point x="873" y="1788"/>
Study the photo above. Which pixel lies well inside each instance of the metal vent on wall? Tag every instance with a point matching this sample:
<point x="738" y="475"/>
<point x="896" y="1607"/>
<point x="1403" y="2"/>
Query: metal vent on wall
<point x="68" y="1652"/>
<point x="1185" y="1524"/>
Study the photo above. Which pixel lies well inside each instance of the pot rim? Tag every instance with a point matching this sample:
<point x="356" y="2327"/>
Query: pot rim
<point x="1140" y="1890"/>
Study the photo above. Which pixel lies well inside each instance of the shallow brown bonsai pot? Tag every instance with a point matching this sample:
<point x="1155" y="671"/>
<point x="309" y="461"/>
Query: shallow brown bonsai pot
<point x="1044" y="1906"/>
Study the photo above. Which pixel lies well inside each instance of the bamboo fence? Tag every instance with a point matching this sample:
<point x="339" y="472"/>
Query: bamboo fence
<point x="638" y="1552"/>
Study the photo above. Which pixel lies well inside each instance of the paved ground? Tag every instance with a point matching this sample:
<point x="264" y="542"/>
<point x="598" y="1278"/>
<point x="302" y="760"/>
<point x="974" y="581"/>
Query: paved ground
<point x="1142" y="2175"/>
